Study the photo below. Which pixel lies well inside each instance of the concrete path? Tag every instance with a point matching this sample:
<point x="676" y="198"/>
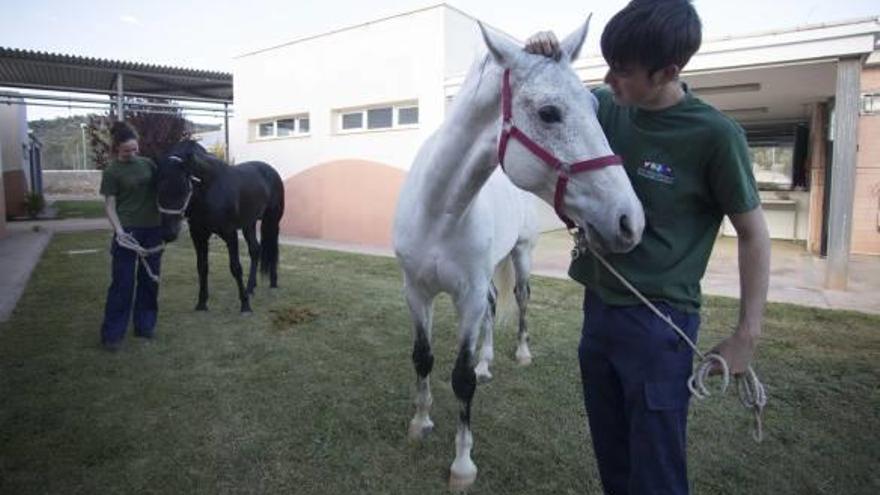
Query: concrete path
<point x="796" y="277"/>
<point x="20" y="252"/>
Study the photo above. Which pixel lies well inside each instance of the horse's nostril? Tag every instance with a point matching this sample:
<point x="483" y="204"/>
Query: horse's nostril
<point x="625" y="227"/>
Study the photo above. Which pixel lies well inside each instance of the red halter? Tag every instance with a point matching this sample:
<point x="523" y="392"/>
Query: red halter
<point x="509" y="130"/>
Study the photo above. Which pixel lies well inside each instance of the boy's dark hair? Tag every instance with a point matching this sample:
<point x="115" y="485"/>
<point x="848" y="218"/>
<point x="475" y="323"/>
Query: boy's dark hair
<point x="121" y="132"/>
<point x="653" y="34"/>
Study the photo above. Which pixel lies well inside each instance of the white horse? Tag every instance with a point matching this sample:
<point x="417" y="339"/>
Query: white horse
<point x="459" y="217"/>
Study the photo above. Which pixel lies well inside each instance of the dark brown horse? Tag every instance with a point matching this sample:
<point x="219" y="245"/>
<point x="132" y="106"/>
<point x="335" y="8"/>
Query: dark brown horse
<point x="221" y="199"/>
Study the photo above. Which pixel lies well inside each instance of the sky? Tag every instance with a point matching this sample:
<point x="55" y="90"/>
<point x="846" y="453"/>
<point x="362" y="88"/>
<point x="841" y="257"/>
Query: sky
<point x="209" y="34"/>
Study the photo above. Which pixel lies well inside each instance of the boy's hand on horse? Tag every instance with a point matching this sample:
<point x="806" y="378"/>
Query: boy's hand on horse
<point x="544" y="43"/>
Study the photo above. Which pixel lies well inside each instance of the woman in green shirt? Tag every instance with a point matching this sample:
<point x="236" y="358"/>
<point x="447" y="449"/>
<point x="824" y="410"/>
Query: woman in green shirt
<point x="129" y="188"/>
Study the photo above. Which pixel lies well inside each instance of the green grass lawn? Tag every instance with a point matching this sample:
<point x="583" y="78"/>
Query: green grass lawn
<point x="79" y="208"/>
<point x="313" y="392"/>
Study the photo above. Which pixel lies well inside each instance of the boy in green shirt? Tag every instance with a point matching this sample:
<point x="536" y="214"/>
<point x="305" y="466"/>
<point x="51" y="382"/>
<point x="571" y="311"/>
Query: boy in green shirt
<point x="689" y="164"/>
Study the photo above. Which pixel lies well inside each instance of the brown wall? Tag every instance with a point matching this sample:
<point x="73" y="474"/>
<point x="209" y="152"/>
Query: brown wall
<point x="866" y="203"/>
<point x="2" y="206"/>
<point x="817" y="159"/>
<point x="346" y="200"/>
<point x="15" y="189"/>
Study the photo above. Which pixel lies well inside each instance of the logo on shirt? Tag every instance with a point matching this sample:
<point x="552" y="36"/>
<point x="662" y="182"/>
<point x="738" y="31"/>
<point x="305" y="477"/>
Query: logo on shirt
<point x="657" y="171"/>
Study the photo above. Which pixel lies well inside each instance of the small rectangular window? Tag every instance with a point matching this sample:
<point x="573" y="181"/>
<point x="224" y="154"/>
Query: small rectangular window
<point x="407" y="115"/>
<point x="285" y="127"/>
<point x="267" y="129"/>
<point x="379" y="118"/>
<point x="353" y="120"/>
<point x="304" y="125"/>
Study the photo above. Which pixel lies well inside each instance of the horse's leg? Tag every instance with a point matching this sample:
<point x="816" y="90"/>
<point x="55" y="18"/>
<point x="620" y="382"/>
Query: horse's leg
<point x="522" y="266"/>
<point x="472" y="307"/>
<point x="200" y="243"/>
<point x="421" y="310"/>
<point x="231" y="239"/>
<point x="250" y="236"/>
<point x="487" y="351"/>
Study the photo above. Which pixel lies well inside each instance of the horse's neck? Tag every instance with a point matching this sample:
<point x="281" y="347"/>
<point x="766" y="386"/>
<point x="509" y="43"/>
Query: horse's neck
<point x="209" y="170"/>
<point x="465" y="153"/>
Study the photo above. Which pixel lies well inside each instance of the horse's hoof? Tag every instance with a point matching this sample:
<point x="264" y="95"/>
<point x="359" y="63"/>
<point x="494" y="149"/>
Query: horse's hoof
<point x="247" y="312"/>
<point x="201" y="307"/>
<point x="419" y="430"/>
<point x="462" y="479"/>
<point x="482" y="372"/>
<point x="523" y="356"/>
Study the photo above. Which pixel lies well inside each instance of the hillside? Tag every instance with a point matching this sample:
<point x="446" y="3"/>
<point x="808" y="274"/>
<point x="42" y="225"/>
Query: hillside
<point x="62" y="141"/>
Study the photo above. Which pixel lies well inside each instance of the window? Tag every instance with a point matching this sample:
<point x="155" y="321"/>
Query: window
<point x="352" y="120"/>
<point x="296" y="125"/>
<point x="378" y="118"/>
<point x="285" y="127"/>
<point x="267" y="129"/>
<point x="870" y="104"/>
<point x="408" y="115"/>
<point x="772" y="165"/>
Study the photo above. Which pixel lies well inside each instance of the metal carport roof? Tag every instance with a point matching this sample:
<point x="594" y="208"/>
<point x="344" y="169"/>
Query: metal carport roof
<point x="60" y="72"/>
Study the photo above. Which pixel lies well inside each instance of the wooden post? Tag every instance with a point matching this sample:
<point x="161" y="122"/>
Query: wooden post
<point x="843" y="171"/>
<point x="226" y="131"/>
<point x="120" y="105"/>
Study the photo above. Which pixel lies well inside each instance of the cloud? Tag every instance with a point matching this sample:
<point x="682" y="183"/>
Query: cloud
<point x="130" y="19"/>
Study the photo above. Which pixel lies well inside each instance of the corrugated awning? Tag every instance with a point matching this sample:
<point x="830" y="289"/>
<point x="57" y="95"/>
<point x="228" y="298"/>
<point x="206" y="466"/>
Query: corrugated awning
<point x="58" y="72"/>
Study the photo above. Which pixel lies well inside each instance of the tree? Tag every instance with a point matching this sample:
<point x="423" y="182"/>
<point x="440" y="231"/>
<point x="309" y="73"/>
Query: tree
<point x="159" y="128"/>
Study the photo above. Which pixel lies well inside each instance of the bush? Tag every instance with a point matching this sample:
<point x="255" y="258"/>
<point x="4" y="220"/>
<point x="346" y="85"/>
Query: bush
<point x="34" y="204"/>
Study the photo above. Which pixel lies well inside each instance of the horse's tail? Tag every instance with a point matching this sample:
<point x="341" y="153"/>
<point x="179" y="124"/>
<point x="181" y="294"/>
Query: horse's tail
<point x="505" y="281"/>
<point x="270" y="225"/>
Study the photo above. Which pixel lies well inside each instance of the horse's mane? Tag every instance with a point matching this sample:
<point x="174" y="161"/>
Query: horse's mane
<point x="198" y="154"/>
<point x="470" y="92"/>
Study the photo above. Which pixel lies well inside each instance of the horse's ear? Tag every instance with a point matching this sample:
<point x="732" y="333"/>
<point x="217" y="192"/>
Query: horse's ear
<point x="503" y="50"/>
<point x="571" y="45"/>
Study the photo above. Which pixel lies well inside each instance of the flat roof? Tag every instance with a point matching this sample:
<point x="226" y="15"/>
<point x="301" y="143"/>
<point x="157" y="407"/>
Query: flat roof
<point x="374" y="21"/>
<point x="72" y="73"/>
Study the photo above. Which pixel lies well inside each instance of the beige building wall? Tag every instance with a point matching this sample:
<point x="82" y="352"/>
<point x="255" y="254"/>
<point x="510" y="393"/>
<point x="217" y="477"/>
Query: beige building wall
<point x="13" y="135"/>
<point x="866" y="201"/>
<point x="2" y="200"/>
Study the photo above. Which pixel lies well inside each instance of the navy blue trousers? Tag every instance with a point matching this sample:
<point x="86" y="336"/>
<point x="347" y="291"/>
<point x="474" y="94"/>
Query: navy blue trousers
<point x="634" y="370"/>
<point x="130" y="281"/>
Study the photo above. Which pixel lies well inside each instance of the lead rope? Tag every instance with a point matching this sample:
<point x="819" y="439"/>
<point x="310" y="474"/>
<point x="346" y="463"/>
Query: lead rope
<point x="750" y="390"/>
<point x="127" y="241"/>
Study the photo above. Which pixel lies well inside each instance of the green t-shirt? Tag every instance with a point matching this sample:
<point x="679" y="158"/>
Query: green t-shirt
<point x="134" y="185"/>
<point x="689" y="165"/>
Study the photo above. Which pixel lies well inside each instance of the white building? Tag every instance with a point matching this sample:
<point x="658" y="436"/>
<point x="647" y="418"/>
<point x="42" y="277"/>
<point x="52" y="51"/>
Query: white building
<point x="341" y="115"/>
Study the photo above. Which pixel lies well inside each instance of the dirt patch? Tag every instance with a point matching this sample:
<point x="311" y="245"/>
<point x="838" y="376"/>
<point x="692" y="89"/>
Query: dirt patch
<point x="287" y="318"/>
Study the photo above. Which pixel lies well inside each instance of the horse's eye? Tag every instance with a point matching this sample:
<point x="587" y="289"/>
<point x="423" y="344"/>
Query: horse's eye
<point x="550" y="114"/>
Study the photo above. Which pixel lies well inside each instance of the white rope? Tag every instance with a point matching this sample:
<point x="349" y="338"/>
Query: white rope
<point x="177" y="211"/>
<point x="751" y="391"/>
<point x="127" y="241"/>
